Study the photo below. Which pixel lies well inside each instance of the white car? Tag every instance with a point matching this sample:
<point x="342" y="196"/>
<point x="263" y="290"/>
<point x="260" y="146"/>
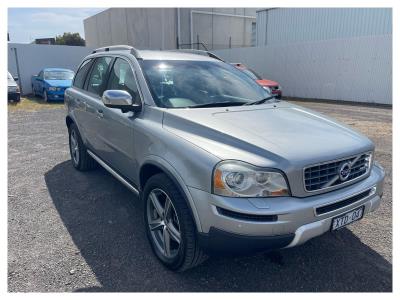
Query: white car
<point x="14" y="94"/>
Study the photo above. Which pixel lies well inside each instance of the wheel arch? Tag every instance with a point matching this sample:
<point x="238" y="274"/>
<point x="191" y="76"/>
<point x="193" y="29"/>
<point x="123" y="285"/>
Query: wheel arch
<point x="69" y="121"/>
<point x="157" y="165"/>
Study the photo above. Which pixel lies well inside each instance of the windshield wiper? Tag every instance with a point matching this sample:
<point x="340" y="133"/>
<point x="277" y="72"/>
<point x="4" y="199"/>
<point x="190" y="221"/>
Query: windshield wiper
<point x="259" y="101"/>
<point x="218" y="104"/>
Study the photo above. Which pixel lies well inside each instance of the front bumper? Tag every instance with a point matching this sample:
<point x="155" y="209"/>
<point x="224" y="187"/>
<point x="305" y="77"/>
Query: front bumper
<point x="55" y="95"/>
<point x="277" y="94"/>
<point x="14" y="96"/>
<point x="290" y="216"/>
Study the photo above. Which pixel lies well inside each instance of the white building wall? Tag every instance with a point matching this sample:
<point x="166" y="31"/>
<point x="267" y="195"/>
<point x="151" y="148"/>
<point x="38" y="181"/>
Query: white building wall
<point x="353" y="69"/>
<point x="32" y="58"/>
<point x="157" y="28"/>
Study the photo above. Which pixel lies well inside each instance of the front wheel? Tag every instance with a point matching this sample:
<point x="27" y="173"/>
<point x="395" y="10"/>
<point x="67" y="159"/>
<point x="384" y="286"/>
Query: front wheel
<point x="169" y="225"/>
<point x="45" y="98"/>
<point x="80" y="158"/>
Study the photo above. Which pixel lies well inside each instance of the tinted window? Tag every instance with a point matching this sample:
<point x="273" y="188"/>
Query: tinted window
<point x="98" y="75"/>
<point x="122" y="78"/>
<point x="58" y="75"/>
<point x="79" y="80"/>
<point x="179" y="83"/>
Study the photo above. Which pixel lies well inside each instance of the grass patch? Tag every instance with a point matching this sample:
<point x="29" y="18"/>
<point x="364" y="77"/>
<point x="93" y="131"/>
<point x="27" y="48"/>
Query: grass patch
<point x="31" y="103"/>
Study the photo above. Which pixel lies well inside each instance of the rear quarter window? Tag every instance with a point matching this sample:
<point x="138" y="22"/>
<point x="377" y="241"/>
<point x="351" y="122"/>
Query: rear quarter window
<point x="80" y="76"/>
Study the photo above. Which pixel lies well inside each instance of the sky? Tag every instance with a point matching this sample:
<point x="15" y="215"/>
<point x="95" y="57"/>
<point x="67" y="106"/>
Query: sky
<point x="27" y="24"/>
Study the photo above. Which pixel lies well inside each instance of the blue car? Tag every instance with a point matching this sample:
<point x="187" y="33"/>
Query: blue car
<point x="51" y="83"/>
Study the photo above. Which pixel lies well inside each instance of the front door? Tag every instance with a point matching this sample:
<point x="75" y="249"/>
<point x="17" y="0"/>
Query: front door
<point x="117" y="133"/>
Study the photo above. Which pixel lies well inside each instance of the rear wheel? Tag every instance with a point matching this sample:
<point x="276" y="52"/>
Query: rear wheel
<point x="33" y="91"/>
<point x="169" y="225"/>
<point x="80" y="158"/>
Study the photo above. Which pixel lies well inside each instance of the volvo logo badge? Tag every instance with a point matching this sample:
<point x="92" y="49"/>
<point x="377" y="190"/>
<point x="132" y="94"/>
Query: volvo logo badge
<point x="344" y="171"/>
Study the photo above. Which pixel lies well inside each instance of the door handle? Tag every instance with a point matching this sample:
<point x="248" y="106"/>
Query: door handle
<point x="100" y="113"/>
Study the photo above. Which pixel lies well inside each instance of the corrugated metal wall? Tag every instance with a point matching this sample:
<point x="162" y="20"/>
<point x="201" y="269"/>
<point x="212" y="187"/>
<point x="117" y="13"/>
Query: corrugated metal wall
<point x="156" y="28"/>
<point x="353" y="69"/>
<point x="291" y="25"/>
<point x="145" y="28"/>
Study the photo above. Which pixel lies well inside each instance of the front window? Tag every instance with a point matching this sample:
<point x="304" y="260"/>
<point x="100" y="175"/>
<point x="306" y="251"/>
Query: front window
<point x="178" y="84"/>
<point x="58" y="75"/>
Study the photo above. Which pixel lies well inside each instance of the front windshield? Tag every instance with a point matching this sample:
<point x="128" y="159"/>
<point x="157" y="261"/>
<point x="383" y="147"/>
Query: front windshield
<point x="179" y="83"/>
<point x="9" y="76"/>
<point x="58" y="75"/>
<point x="251" y="73"/>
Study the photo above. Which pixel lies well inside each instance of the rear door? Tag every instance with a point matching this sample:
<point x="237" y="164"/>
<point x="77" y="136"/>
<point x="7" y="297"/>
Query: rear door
<point x="117" y="132"/>
<point x="76" y="96"/>
<point x="93" y="119"/>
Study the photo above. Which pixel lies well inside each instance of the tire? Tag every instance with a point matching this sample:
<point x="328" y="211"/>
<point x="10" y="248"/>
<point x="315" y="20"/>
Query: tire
<point x="33" y="91"/>
<point x="45" y="98"/>
<point x="80" y="158"/>
<point x="183" y="255"/>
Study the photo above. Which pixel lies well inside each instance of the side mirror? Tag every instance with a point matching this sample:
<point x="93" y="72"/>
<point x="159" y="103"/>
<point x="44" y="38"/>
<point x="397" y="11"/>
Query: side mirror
<point x="120" y="99"/>
<point x="15" y="78"/>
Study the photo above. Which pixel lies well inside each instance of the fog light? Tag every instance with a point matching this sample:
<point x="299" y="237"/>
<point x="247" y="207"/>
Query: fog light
<point x="372" y="191"/>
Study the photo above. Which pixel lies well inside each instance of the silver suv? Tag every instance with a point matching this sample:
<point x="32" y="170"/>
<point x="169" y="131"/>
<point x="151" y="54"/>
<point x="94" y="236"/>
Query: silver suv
<point x="218" y="163"/>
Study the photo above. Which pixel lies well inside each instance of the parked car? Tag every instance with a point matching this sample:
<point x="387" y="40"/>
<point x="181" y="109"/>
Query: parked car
<point x="51" y="83"/>
<point x="275" y="88"/>
<point x="14" y="93"/>
<point x="219" y="164"/>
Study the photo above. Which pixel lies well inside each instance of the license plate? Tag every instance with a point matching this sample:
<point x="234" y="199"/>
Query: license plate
<point x="347" y="218"/>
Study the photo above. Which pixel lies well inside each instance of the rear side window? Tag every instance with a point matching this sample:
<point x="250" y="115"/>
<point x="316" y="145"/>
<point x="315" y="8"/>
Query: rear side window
<point x="80" y="76"/>
<point x="98" y="76"/>
<point x="122" y="78"/>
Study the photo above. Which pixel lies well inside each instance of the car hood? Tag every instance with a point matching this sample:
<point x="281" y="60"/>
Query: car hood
<point x="266" y="135"/>
<point x="11" y="82"/>
<point x="266" y="82"/>
<point x="59" y="83"/>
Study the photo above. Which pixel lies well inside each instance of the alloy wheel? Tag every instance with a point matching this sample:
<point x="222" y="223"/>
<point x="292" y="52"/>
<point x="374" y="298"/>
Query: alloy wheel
<point x="163" y="223"/>
<point x="74" y="147"/>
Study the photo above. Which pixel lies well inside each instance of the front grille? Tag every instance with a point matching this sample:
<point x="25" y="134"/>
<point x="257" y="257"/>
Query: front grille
<point x="247" y="217"/>
<point x="334" y="206"/>
<point x="326" y="175"/>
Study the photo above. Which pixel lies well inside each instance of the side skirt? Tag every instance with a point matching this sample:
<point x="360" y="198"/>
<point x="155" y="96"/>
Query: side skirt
<point x="112" y="172"/>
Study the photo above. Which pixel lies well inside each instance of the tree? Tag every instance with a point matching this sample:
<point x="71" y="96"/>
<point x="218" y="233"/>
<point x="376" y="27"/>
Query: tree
<point x="70" y="39"/>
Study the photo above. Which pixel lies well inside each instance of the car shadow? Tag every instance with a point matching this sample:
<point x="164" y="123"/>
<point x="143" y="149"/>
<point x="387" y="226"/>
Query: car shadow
<point x="105" y="222"/>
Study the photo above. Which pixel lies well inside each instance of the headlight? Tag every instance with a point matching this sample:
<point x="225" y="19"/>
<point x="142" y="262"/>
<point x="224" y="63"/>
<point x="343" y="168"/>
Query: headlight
<point x="239" y="179"/>
<point x="268" y="89"/>
<point x="52" y="88"/>
<point x="12" y="89"/>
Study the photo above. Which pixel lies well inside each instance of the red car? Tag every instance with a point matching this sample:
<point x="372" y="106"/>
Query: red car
<point x="272" y="85"/>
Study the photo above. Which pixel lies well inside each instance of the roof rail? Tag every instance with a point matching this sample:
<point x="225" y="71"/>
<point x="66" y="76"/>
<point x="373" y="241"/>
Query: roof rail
<point x="133" y="50"/>
<point x="199" y="52"/>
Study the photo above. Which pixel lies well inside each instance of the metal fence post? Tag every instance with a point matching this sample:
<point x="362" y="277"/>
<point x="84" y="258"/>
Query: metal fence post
<point x="19" y="75"/>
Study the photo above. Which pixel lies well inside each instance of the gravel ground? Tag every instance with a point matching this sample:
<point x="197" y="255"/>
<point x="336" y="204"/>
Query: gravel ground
<point x="71" y="231"/>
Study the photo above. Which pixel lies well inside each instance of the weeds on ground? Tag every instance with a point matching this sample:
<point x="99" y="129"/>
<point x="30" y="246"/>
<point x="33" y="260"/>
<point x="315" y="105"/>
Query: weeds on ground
<point x="33" y="104"/>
